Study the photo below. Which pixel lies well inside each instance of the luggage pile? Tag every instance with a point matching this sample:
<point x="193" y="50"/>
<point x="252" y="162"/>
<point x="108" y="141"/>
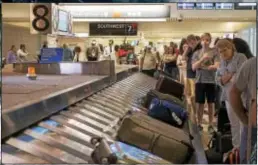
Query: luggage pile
<point x="154" y="132"/>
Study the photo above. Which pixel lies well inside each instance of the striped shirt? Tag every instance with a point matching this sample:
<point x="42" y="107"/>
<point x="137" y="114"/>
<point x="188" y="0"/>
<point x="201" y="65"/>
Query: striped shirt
<point x="231" y="66"/>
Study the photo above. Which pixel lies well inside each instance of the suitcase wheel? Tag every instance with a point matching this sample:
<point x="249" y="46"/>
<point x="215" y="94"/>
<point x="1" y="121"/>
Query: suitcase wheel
<point x="95" y="140"/>
<point x="111" y="159"/>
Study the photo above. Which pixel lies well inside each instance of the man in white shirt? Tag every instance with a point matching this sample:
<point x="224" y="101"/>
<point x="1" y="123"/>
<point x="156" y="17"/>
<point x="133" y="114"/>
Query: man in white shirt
<point x="109" y="52"/>
<point x="22" y="53"/>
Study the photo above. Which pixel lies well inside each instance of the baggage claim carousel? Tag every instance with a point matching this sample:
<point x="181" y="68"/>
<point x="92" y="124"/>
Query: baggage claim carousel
<point x="52" y="119"/>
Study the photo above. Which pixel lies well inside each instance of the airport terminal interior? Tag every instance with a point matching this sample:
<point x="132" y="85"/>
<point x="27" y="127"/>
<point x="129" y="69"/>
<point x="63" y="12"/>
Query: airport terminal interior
<point x="132" y="83"/>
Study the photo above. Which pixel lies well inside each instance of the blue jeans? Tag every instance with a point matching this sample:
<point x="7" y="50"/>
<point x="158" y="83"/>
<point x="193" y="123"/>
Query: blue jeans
<point x="243" y="143"/>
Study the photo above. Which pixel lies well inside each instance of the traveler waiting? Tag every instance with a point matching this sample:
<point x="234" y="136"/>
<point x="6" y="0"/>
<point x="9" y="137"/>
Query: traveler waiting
<point x="67" y="53"/>
<point x="242" y="47"/>
<point x="148" y="62"/>
<point x="11" y="55"/>
<point x="116" y="49"/>
<point x="205" y="62"/>
<point x="242" y="96"/>
<point x="78" y="55"/>
<point x="131" y="57"/>
<point x="93" y="52"/>
<point x="22" y="53"/>
<point x="45" y="44"/>
<point x="109" y="52"/>
<point x="231" y="62"/>
<point x="193" y="46"/>
<point x="181" y="64"/>
<point x="170" y="60"/>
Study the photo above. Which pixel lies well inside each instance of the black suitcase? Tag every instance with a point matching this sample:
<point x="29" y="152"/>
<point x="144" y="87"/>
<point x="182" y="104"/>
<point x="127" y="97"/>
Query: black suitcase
<point x="167" y="85"/>
<point x="223" y="125"/>
<point x="221" y="143"/>
<point x="214" y="157"/>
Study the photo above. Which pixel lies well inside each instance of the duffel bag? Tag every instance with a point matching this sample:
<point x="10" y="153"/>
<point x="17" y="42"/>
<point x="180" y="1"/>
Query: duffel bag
<point x="161" y="139"/>
<point x="170" y="86"/>
<point x="155" y="94"/>
<point x="167" y="112"/>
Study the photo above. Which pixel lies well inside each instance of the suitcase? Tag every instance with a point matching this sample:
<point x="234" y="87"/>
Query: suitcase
<point x="168" y="112"/>
<point x="223" y="125"/>
<point x="221" y="143"/>
<point x="214" y="157"/>
<point x="170" y="86"/>
<point x="161" y="139"/>
<point x="115" y="152"/>
<point x="155" y="94"/>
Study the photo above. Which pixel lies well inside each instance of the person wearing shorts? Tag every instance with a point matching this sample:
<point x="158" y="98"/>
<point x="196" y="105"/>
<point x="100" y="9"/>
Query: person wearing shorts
<point x="205" y="62"/>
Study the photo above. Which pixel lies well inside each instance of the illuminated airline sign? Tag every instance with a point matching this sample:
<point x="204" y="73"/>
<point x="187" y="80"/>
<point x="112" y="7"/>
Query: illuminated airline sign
<point x="113" y="29"/>
<point x="119" y="11"/>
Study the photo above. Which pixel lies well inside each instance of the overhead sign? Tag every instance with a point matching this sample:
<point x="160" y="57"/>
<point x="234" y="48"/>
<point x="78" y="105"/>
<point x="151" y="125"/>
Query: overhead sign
<point x="119" y="11"/>
<point x="51" y="55"/>
<point x="40" y="18"/>
<point x="225" y="6"/>
<point x="47" y="18"/>
<point x="205" y="6"/>
<point x="113" y="29"/>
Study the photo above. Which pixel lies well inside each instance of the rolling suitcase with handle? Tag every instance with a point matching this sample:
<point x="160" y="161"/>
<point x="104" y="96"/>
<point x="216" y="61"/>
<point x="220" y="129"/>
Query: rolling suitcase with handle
<point x="167" y="85"/>
<point x="151" y="135"/>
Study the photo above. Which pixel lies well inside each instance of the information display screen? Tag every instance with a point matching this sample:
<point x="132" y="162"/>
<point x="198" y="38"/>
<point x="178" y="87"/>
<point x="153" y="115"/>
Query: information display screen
<point x="51" y="55"/>
<point x="113" y="29"/>
<point x="224" y="6"/>
<point x="186" y="6"/>
<point x="205" y="6"/>
<point x="63" y="21"/>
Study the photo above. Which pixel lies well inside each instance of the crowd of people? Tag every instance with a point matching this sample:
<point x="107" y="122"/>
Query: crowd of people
<point x="121" y="54"/>
<point x="223" y="73"/>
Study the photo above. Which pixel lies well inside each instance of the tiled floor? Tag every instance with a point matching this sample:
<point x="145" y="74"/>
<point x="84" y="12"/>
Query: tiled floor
<point x="206" y="136"/>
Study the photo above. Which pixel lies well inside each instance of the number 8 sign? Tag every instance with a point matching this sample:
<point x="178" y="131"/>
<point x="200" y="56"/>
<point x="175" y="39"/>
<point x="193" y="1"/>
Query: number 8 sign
<point x="40" y="22"/>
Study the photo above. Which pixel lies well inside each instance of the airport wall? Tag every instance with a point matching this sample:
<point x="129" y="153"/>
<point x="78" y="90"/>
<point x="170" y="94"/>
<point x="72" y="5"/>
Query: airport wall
<point x="249" y="35"/>
<point x="14" y="35"/>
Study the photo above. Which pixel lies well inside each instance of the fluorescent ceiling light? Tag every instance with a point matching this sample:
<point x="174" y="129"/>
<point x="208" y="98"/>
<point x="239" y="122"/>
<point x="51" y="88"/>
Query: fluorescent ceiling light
<point x="246" y="4"/>
<point x="120" y="20"/>
<point x="82" y="34"/>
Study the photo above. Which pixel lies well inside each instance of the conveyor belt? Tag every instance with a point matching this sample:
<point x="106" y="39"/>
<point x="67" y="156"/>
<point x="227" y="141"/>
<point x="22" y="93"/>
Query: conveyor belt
<point x="65" y="137"/>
